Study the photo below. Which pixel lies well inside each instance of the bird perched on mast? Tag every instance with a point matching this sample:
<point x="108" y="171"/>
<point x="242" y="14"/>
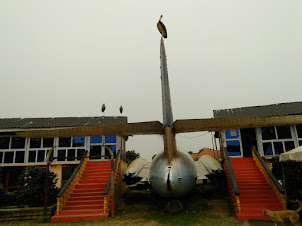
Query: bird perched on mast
<point x="162" y="28"/>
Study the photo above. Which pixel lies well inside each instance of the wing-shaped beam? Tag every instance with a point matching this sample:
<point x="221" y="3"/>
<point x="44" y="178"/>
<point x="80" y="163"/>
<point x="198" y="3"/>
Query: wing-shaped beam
<point x="126" y="129"/>
<point x="218" y="124"/>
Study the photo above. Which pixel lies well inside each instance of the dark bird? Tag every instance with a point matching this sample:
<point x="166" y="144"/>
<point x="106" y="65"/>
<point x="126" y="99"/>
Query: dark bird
<point x="121" y="109"/>
<point x="162" y="28"/>
<point x="103" y="107"/>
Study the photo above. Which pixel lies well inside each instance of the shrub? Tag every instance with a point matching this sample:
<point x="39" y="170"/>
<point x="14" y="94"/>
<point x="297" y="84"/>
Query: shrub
<point x="31" y="186"/>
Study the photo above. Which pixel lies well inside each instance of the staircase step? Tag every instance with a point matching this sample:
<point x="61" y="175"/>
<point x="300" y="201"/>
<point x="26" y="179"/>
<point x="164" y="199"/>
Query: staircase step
<point x="85" y="202"/>
<point x="87" y="195"/>
<point x="77" y="212"/>
<point x="84" y="207"/>
<point x="79" y="217"/>
<point x="91" y="186"/>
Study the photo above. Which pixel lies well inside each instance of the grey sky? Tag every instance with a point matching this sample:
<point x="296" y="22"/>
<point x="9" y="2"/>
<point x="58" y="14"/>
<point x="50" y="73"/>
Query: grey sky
<point x="67" y="58"/>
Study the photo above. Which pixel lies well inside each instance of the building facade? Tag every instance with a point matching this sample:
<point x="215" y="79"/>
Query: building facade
<point x="269" y="141"/>
<point x="18" y="152"/>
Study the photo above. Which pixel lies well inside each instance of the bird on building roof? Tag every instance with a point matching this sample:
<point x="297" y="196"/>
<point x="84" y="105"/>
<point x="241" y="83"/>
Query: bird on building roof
<point x="103" y="107"/>
<point x="162" y="28"/>
<point x="121" y="109"/>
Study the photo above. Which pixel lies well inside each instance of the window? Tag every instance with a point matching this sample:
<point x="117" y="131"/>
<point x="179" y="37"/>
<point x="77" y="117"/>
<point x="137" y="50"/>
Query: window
<point x="1" y="156"/>
<point x="18" y="142"/>
<point x="61" y="155"/>
<point x="35" y="143"/>
<point x="8" y="157"/>
<point x="65" y="142"/>
<point x="232" y="137"/>
<point x="277" y="139"/>
<point x="48" y="142"/>
<point x="41" y="156"/>
<point x="32" y="156"/>
<point x="19" y="157"/>
<point x="71" y="155"/>
<point x="78" y="141"/>
<point x="4" y="142"/>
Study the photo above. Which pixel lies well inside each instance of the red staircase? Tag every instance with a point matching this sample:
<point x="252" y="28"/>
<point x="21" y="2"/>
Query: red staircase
<point x="256" y="194"/>
<point x="86" y="203"/>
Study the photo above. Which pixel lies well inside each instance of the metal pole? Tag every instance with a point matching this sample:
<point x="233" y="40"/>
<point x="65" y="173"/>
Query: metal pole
<point x="283" y="173"/>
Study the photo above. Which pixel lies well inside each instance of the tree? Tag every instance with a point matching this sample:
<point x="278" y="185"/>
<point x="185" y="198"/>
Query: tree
<point x="31" y="185"/>
<point x="190" y="152"/>
<point x="131" y="155"/>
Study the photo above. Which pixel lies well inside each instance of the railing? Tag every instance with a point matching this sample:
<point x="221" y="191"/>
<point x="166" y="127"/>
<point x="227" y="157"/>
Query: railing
<point x="69" y="186"/>
<point x="270" y="178"/>
<point x="109" y="192"/>
<point x="234" y="190"/>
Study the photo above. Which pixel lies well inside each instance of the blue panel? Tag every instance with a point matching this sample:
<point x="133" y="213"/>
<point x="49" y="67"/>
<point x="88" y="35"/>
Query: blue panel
<point x="78" y="142"/>
<point x="110" y="139"/>
<point x="233" y="147"/>
<point x="231" y="133"/>
<point x="95" y="139"/>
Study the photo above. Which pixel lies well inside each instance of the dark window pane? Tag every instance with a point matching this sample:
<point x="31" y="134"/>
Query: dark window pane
<point x="71" y="153"/>
<point x="233" y="147"/>
<point x="35" y="142"/>
<point x="65" y="142"/>
<point x="268" y="133"/>
<point x="41" y="156"/>
<point x="289" y="145"/>
<point x="278" y="148"/>
<point x="48" y="142"/>
<point x="110" y="139"/>
<point x="231" y="133"/>
<point x="283" y="132"/>
<point x="1" y="156"/>
<point x="300" y="142"/>
<point x="267" y="149"/>
<point x="95" y="150"/>
<point x="51" y="155"/>
<point x="95" y="139"/>
<point x="80" y="153"/>
<point x="19" y="157"/>
<point x="61" y="155"/>
<point x="18" y="142"/>
<point x="8" y="157"/>
<point x="4" y="142"/>
<point x="78" y="141"/>
<point x="299" y="130"/>
<point x="32" y="156"/>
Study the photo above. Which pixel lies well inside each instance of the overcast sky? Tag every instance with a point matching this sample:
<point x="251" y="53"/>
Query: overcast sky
<point x="66" y="58"/>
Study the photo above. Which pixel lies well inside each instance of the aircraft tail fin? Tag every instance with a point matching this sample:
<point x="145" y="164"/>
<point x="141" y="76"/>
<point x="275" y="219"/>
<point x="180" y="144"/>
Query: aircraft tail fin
<point x="166" y="97"/>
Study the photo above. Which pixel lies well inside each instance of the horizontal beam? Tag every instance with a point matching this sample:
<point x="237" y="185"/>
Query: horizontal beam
<point x="125" y="129"/>
<point x="219" y="124"/>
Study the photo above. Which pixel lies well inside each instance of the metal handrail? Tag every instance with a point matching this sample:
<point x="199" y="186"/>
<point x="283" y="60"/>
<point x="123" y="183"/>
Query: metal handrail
<point x="230" y="169"/>
<point x="109" y="180"/>
<point x="72" y="175"/>
<point x="268" y="171"/>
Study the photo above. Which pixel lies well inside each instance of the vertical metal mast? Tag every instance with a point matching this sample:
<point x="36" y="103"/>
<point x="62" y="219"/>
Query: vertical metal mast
<point x="166" y="97"/>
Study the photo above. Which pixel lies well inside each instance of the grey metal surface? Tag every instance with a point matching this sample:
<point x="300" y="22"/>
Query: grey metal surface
<point x="293" y="108"/>
<point x="166" y="97"/>
<point x="29" y="123"/>
<point x="173" y="179"/>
